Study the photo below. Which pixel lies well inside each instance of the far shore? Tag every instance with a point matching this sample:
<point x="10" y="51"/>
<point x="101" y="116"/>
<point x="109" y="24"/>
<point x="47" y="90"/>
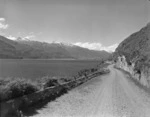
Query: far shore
<point x="45" y="59"/>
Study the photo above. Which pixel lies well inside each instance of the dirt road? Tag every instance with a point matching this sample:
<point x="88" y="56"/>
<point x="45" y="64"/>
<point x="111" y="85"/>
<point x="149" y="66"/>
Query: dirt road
<point x="111" y="95"/>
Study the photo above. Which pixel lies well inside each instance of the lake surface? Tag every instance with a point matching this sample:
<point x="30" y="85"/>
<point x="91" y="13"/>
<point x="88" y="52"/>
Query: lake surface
<point x="34" y="69"/>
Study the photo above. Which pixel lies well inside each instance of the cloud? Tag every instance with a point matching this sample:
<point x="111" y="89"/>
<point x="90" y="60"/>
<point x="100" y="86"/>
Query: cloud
<point x="3" y="25"/>
<point x="29" y="37"/>
<point x="97" y="46"/>
<point x="112" y="47"/>
<point x="11" y="37"/>
<point x="2" y="19"/>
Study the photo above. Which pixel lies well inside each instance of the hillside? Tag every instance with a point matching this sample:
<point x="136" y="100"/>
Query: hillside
<point x="83" y="53"/>
<point x="136" y="47"/>
<point x="42" y="50"/>
<point x="9" y="48"/>
<point x="135" y="50"/>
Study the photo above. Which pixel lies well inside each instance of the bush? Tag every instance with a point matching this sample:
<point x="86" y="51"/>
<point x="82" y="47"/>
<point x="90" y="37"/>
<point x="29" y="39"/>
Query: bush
<point x="141" y="63"/>
<point x="17" y="88"/>
<point x="49" y="82"/>
<point x="86" y="72"/>
<point x="13" y="88"/>
<point x="65" y="79"/>
<point x="94" y="70"/>
<point x="4" y="81"/>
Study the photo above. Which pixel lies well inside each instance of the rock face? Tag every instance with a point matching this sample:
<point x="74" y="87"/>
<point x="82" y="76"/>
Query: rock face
<point x="133" y="55"/>
<point x="143" y="77"/>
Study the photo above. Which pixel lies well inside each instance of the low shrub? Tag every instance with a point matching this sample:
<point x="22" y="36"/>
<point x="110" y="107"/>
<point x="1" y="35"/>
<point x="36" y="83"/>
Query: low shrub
<point x="17" y="88"/>
<point x="49" y="82"/>
<point x="13" y="88"/>
<point x="65" y="79"/>
<point x="86" y="72"/>
<point x="4" y="81"/>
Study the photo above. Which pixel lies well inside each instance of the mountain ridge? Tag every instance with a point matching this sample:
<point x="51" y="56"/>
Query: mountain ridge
<point x="23" y="48"/>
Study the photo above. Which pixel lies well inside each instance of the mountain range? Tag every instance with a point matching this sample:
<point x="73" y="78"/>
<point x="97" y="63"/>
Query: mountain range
<point x="23" y="48"/>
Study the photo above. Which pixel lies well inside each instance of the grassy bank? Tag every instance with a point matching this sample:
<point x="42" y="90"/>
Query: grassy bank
<point x="11" y="88"/>
<point x="19" y="94"/>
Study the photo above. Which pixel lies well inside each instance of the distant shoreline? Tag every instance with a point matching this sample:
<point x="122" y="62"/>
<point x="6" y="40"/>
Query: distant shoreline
<point x="47" y="59"/>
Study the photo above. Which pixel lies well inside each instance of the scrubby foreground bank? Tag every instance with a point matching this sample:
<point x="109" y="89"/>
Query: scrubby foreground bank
<point x="49" y="90"/>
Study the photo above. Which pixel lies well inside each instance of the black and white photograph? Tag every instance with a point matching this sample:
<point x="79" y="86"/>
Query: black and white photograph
<point x="74" y="58"/>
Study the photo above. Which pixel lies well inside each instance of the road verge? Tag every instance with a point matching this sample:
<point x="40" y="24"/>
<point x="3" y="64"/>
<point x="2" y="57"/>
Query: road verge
<point x="14" y="107"/>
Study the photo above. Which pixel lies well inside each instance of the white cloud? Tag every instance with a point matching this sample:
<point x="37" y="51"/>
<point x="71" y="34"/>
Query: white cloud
<point x="3" y="25"/>
<point x="97" y="46"/>
<point x="112" y="47"/>
<point x="29" y="37"/>
<point x="11" y="37"/>
<point x="2" y="19"/>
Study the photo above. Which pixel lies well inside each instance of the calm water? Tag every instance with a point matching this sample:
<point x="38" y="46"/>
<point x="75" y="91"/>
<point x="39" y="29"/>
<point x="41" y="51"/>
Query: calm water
<point x="34" y="69"/>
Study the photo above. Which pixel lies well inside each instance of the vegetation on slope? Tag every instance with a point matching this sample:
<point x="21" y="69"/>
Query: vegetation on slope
<point x="13" y="88"/>
<point x="136" y="48"/>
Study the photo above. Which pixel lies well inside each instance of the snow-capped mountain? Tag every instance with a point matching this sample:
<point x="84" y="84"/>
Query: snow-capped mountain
<point x="24" y="48"/>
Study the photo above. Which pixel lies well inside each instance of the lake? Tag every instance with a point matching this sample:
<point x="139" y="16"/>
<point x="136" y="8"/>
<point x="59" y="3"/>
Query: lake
<point x="34" y="69"/>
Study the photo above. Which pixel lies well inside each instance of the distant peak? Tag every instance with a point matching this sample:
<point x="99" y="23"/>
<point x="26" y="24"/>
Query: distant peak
<point x="62" y="43"/>
<point x="19" y="39"/>
<point x="67" y="44"/>
<point x="22" y="39"/>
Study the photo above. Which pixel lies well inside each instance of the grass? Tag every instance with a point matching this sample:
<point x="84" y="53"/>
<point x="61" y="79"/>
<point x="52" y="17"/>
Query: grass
<point x="40" y="91"/>
<point x="11" y="88"/>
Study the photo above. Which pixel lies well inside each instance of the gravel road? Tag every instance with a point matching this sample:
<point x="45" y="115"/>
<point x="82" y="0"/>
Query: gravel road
<point x="111" y="95"/>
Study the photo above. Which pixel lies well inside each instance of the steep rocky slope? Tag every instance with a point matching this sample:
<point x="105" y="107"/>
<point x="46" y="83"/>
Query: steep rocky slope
<point x="135" y="51"/>
<point x="136" y="45"/>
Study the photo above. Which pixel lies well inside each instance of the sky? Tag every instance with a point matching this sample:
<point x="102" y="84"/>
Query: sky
<point x="94" y="24"/>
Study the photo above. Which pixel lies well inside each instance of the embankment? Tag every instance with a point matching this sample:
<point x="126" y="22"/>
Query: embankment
<point x="14" y="107"/>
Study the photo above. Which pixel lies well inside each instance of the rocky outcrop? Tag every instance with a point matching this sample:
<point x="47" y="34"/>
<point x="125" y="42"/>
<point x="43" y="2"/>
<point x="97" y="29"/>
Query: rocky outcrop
<point x="142" y="76"/>
<point x="133" y="55"/>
